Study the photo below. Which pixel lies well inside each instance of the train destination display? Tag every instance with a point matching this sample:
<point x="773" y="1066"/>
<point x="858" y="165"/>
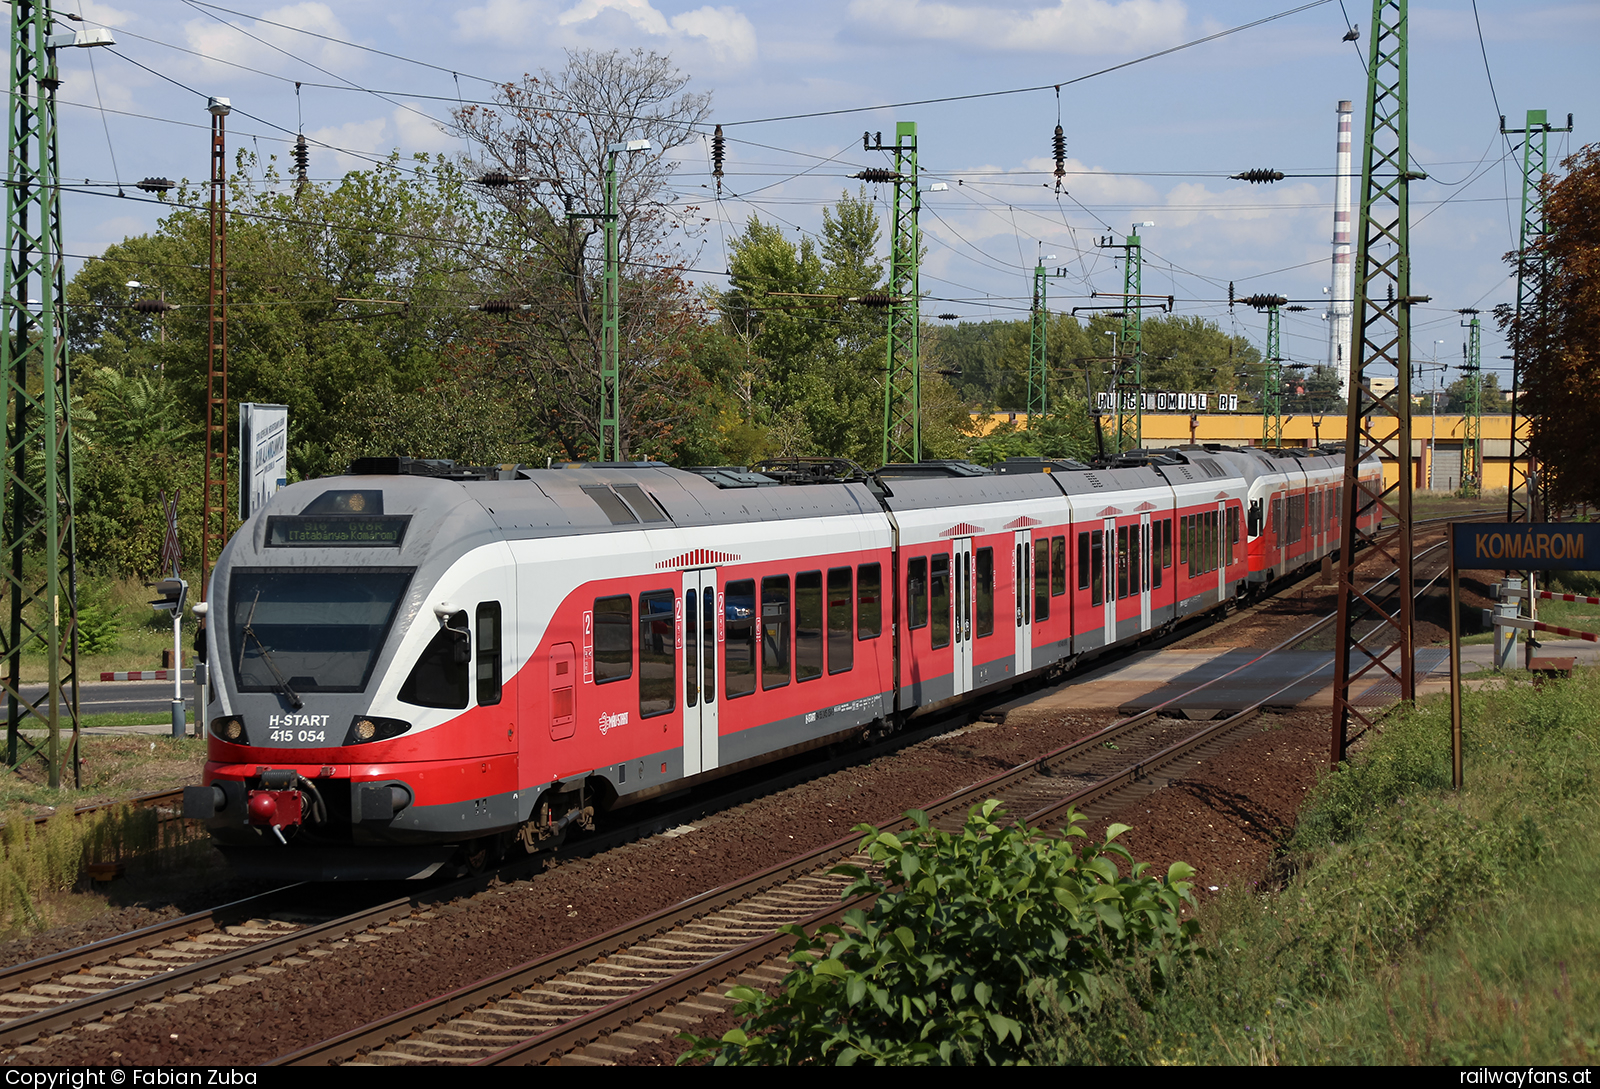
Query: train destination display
<point x="349" y="531"/>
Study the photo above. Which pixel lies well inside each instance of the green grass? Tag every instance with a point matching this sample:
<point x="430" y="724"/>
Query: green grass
<point x="113" y="767"/>
<point x="1412" y="923"/>
<point x="121" y="631"/>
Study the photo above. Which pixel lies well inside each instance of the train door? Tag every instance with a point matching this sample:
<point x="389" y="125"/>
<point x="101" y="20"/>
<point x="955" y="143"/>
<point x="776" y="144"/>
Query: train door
<point x="1111" y="581"/>
<point x="1022" y="560"/>
<point x="700" y="635"/>
<point x="1142" y="567"/>
<point x="961" y="592"/>
<point x="1223" y="547"/>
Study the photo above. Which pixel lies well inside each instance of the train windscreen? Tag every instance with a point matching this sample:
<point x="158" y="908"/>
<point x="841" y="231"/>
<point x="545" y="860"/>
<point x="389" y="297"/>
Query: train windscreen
<point x="310" y="631"/>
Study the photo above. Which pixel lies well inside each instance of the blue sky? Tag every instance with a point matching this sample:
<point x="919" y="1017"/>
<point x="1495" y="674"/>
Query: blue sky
<point x="1152" y="141"/>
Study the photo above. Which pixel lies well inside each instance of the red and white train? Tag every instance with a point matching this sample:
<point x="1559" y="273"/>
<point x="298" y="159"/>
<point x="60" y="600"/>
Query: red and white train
<point x="416" y="664"/>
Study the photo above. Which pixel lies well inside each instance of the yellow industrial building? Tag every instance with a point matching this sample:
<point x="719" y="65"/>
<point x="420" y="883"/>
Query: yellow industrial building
<point x="1436" y="441"/>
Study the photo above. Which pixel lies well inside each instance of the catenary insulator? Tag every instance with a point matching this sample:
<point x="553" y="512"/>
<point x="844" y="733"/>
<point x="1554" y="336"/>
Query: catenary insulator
<point x="1061" y="155"/>
<point x="498" y="306"/>
<point x="1256" y="177"/>
<point x="155" y="185"/>
<point x="877" y="174"/>
<point x="878" y="298"/>
<point x="718" y="146"/>
<point x="1263" y="301"/>
<point x="495" y="180"/>
<point x="948" y="317"/>
<point x="153" y="306"/>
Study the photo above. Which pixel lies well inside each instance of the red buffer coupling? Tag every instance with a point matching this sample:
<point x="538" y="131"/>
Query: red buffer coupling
<point x="279" y="804"/>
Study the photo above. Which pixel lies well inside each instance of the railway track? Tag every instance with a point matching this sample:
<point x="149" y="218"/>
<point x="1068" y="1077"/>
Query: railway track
<point x="597" y="1002"/>
<point x="587" y="991"/>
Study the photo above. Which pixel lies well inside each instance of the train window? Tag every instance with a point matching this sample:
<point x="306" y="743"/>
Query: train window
<point x="869" y="601"/>
<point x="1058" y="566"/>
<point x="939" y="585"/>
<point x="1233" y="531"/>
<point x="1083" y="561"/>
<point x="1155" y="555"/>
<point x="1135" y="579"/>
<point x="917" y="592"/>
<point x="691" y="649"/>
<point x="985" y="594"/>
<point x="775" y="650"/>
<point x="708" y="640"/>
<point x="439" y="679"/>
<point x="658" y="653"/>
<point x="325" y="628"/>
<point x="1122" y="561"/>
<point x="1097" y="567"/>
<point x="741" y="626"/>
<point x="1183" y="542"/>
<point x="613" y="639"/>
<point x="841" y="648"/>
<point x="1166" y="542"/>
<point x="808" y="625"/>
<point x="1042" y="579"/>
<point x="488" y="664"/>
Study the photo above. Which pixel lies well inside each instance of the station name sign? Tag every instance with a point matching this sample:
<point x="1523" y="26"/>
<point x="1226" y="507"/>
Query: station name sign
<point x="337" y="531"/>
<point x="1170" y="402"/>
<point x="1528" y="546"/>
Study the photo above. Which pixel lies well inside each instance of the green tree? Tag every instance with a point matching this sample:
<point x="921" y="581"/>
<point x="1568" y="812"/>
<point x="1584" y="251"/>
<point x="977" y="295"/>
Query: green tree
<point x="553" y="130"/>
<point x="1493" y="400"/>
<point x="1558" y="340"/>
<point x="971" y="937"/>
<point x="811" y="377"/>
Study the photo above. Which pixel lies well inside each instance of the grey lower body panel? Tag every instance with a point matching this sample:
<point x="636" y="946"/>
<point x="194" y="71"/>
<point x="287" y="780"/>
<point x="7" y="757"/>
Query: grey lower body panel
<point x="279" y="863"/>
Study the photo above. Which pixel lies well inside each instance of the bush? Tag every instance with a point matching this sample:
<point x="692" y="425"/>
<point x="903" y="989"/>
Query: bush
<point x="984" y="930"/>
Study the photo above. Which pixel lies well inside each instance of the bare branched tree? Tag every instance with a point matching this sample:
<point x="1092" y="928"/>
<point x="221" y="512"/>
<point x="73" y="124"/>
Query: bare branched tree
<point x="547" y="143"/>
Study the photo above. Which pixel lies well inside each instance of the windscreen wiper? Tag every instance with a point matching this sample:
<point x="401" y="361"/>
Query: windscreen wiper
<point x="266" y="656"/>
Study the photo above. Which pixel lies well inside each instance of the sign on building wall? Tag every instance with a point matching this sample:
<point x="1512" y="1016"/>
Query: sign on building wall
<point x="1172" y="402"/>
<point x="263" y="454"/>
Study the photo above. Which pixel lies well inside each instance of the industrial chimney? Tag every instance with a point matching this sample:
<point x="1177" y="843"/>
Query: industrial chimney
<point x="1343" y="289"/>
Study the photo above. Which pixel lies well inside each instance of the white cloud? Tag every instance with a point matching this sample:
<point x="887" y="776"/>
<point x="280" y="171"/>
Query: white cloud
<point x="369" y="137"/>
<point x="418" y="133"/>
<point x="103" y="14"/>
<point x="222" y="42"/>
<point x="724" y="33"/>
<point x="1064" y="26"/>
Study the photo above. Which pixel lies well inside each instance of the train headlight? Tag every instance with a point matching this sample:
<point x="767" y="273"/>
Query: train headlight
<point x="230" y="729"/>
<point x="365" y="728"/>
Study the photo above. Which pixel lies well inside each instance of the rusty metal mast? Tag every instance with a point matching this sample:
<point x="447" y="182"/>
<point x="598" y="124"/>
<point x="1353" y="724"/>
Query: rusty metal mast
<point x="216" y="490"/>
<point x="1375" y="625"/>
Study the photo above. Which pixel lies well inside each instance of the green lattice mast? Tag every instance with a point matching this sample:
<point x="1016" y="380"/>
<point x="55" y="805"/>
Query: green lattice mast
<point x="1521" y="502"/>
<point x="902" y="400"/>
<point x="1130" y="370"/>
<point x="1038" y="367"/>
<point x="1272" y="375"/>
<point x="1472" y="409"/>
<point x="1374" y="640"/>
<point x="36" y="489"/>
